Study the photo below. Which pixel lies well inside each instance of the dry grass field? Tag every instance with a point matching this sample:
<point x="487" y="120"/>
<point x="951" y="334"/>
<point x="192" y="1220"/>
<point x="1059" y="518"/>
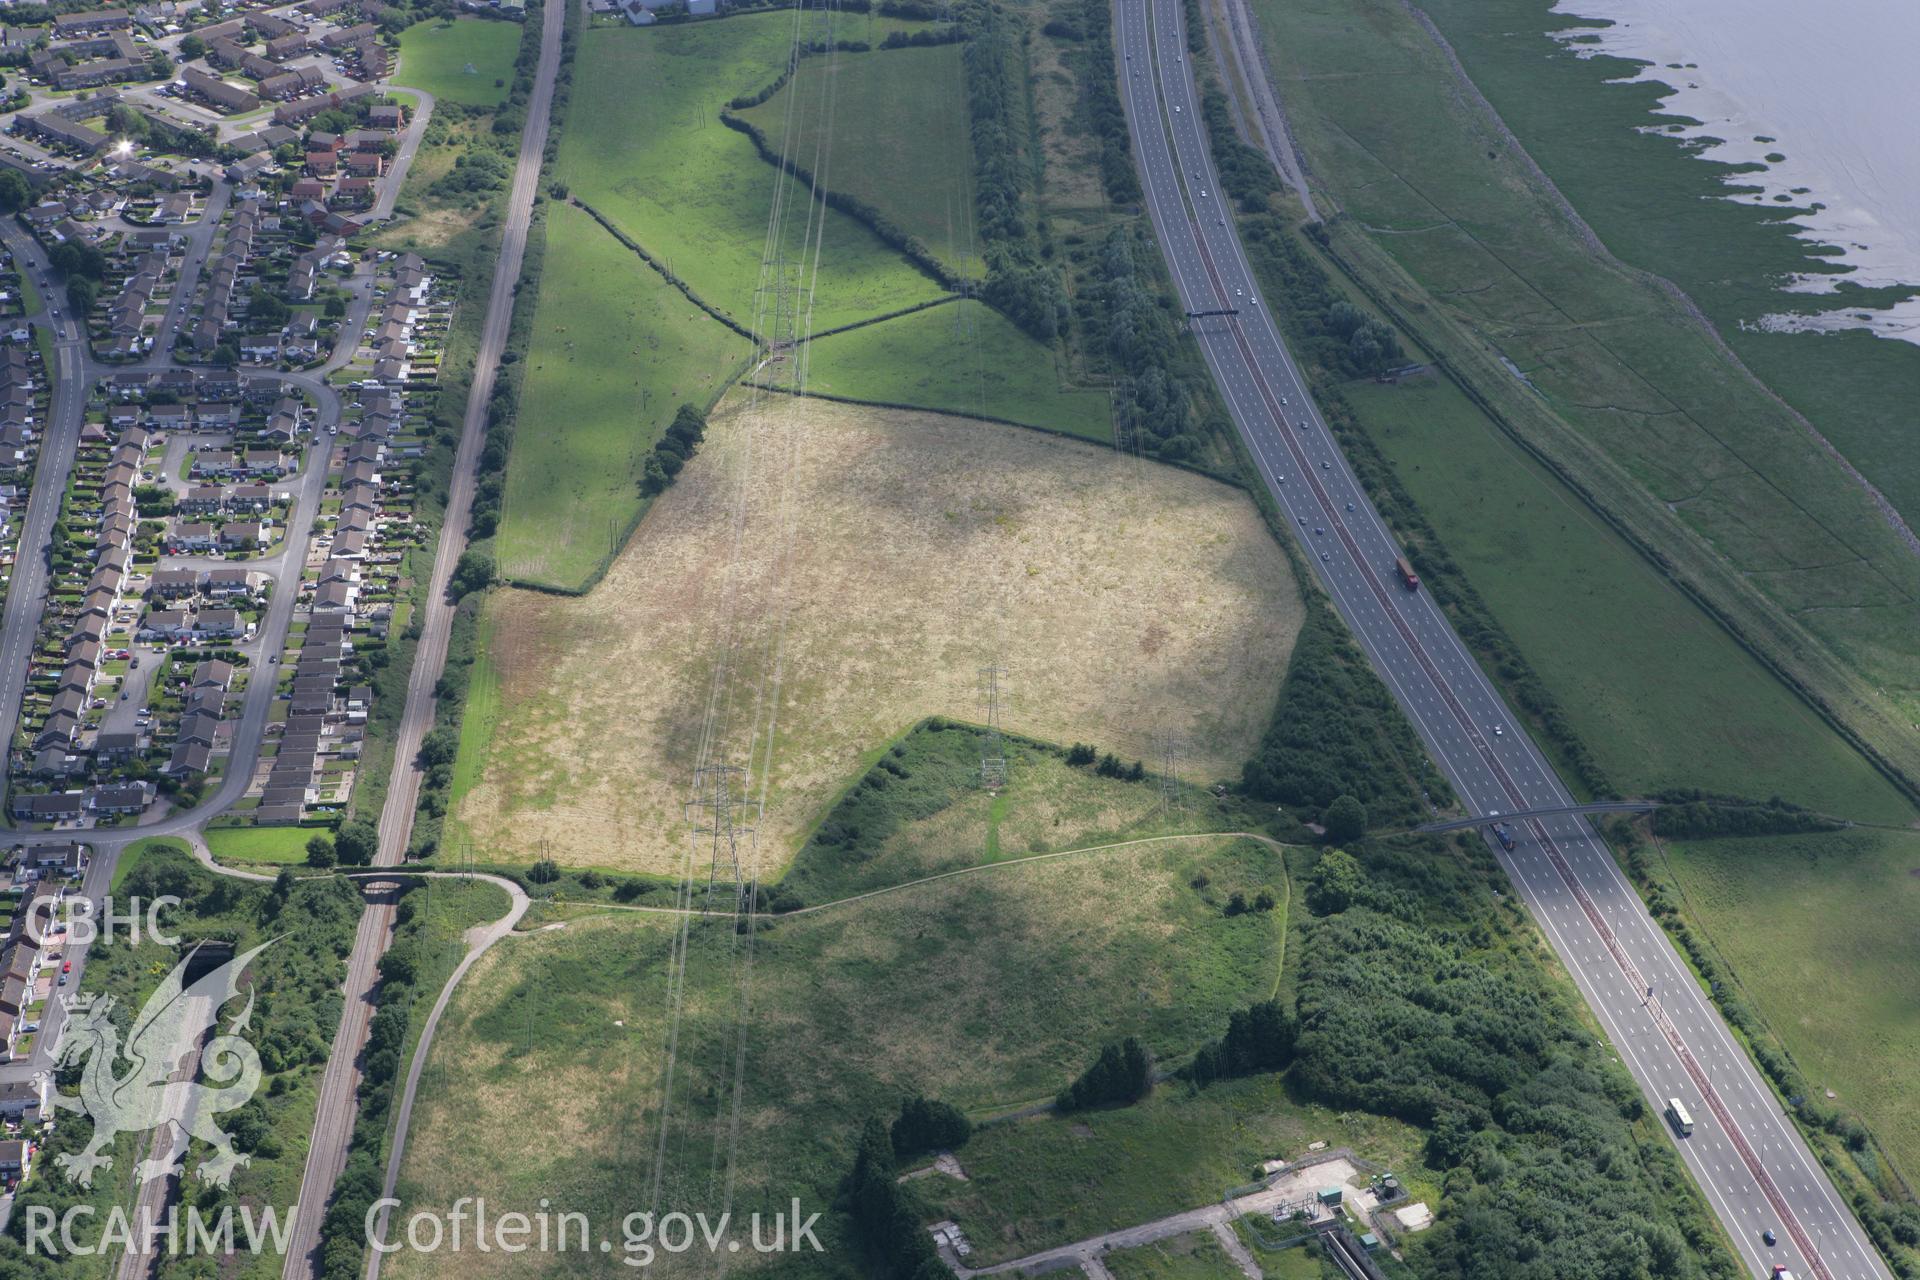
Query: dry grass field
<point x="989" y="989"/>
<point x="821" y="577"/>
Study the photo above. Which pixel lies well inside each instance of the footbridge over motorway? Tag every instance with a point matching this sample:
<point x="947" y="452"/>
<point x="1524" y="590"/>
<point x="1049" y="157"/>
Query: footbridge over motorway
<point x="1550" y="811"/>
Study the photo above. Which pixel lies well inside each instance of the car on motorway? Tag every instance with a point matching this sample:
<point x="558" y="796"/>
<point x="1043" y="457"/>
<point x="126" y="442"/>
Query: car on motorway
<point x="1349" y="506"/>
<point x="1499" y="730"/>
<point x="1768" y="1238"/>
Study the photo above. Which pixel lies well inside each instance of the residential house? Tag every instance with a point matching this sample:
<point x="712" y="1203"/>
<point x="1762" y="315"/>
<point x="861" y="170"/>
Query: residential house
<point x="122" y="798"/>
<point x="242" y="535"/>
<point x="188" y="757"/>
<point x="218" y="93"/>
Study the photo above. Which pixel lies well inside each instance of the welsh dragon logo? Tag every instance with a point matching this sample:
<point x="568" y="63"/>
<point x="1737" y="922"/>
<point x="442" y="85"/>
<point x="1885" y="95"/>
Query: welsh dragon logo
<point x="160" y="1087"/>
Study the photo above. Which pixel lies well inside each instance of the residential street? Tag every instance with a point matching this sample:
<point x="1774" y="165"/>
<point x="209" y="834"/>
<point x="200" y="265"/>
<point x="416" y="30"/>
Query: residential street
<point x="333" y="1125"/>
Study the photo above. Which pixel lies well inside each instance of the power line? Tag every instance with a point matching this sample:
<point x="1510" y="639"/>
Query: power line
<point x="1169" y="751"/>
<point x="718" y="795"/>
<point x="993" y="751"/>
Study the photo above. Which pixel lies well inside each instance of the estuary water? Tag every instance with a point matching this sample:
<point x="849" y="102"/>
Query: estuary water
<point x="1826" y="96"/>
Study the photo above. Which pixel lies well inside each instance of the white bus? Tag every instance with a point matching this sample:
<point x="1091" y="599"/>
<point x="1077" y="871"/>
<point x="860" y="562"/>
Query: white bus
<point x="1677" y="1116"/>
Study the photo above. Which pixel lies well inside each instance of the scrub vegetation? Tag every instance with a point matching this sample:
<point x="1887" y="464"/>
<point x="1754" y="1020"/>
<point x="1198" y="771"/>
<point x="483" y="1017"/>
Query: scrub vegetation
<point x="984" y="990"/>
<point x="296" y="985"/>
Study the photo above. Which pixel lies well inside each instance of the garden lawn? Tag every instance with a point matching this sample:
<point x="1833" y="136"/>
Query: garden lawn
<point x="260" y="844"/>
<point x="435" y="55"/>
<point x="898" y="140"/>
<point x="615" y="351"/>
<point x="1660" y="693"/>
<point x="986" y="989"/>
<point x="1820" y="930"/>
<point x="963" y="357"/>
<point x="645" y="147"/>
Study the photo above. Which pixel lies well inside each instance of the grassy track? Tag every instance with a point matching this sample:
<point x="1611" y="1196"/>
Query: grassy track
<point x="904" y="113"/>
<point x="644" y="145"/>
<point x="260" y="844"/>
<point x="435" y="56"/>
<point x="984" y="990"/>
<point x="615" y="351"/>
<point x="964" y="357"/>
<point x="1820" y="931"/>
<point x="1662" y="695"/>
<point x="1677" y="443"/>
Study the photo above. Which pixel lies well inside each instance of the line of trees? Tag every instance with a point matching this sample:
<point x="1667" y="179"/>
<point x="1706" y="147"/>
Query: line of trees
<point x="673" y="450"/>
<point x="1020" y="283"/>
<point x="1258" y="1038"/>
<point x="1080" y="755"/>
<point x="1335" y="733"/>
<point x="884" y="1218"/>
<point x="927" y="1124"/>
<point x="1124" y="316"/>
<point x="1123" y="1073"/>
<point x="1106" y="118"/>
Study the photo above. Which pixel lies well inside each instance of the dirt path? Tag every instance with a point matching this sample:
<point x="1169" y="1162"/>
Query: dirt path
<point x="1285" y="1189"/>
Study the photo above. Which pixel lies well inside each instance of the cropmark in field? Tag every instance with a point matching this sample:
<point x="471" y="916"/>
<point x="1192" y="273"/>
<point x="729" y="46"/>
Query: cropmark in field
<point x="1123" y="600"/>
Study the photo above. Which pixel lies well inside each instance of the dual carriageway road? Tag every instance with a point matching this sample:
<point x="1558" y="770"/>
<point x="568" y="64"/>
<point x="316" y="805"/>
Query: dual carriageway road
<point x="1744" y="1152"/>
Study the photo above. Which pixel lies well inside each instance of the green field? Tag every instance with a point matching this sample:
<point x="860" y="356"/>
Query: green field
<point x="615" y="351"/>
<point x="260" y="844"/>
<point x="645" y="147"/>
<point x="435" y="55"/>
<point x="1194" y="1256"/>
<point x="1052" y="1179"/>
<point x="898" y="139"/>
<point x="989" y="989"/>
<point x="921" y="811"/>
<point x="1658" y="690"/>
<point x="1820" y="931"/>
<point x="963" y="357"/>
<point x="1585" y="132"/>
<point x="1621" y="385"/>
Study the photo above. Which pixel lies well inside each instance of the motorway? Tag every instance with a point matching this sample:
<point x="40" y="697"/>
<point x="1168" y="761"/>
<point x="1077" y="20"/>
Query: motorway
<point x="1744" y="1152"/>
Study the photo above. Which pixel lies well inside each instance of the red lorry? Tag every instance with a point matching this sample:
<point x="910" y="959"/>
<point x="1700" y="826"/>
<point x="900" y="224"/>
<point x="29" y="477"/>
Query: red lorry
<point x="1407" y="575"/>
